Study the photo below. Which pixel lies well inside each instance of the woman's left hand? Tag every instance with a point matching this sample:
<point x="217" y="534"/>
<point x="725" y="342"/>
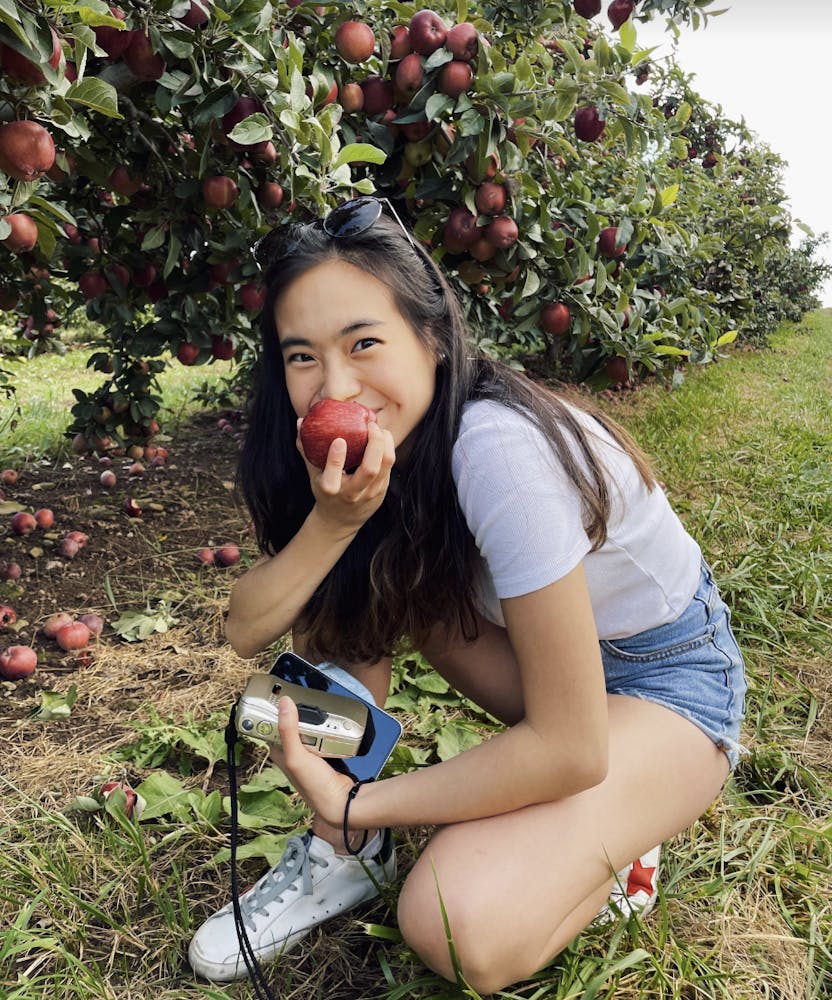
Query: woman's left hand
<point x="322" y="788"/>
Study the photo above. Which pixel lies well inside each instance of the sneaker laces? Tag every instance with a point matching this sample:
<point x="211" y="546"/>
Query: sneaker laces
<point x="293" y="873"/>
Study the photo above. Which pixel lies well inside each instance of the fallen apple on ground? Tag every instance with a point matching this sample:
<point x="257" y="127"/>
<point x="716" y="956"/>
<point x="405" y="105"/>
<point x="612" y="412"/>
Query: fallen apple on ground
<point x="329" y="419"/>
<point x="76" y="635"/>
<point x="17" y="662"/>
<point x="8" y="616"/>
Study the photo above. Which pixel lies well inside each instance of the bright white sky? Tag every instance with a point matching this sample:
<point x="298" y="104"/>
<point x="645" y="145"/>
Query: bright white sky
<point x="768" y="61"/>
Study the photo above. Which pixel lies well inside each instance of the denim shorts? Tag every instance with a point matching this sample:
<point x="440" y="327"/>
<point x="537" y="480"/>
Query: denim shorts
<point x="692" y="666"/>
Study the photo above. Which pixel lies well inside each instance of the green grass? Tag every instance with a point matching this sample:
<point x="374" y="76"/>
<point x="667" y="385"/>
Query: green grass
<point x="97" y="907"/>
<point x="33" y="420"/>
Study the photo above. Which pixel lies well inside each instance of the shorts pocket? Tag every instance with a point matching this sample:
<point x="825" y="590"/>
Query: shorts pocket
<point x="639" y="649"/>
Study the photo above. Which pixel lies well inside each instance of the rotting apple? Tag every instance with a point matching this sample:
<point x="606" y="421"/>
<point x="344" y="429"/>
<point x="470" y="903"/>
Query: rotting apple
<point x="23" y="523"/>
<point x="131" y="508"/>
<point x="8" y="616"/>
<point x="329" y="419"/>
<point x="10" y="571"/>
<point x="8" y="477"/>
<point x="17" y="662"/>
<point x="227" y="555"/>
<point x="78" y="537"/>
<point x="69" y="548"/>
<point x="205" y="557"/>
<point x="94" y="622"/>
<point x="134" y="804"/>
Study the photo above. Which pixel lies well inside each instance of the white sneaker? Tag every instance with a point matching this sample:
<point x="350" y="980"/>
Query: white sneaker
<point x="635" y="890"/>
<point x="310" y="884"/>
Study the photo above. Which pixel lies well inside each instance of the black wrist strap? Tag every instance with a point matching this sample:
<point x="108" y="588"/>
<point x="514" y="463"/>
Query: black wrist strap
<point x="258" y="979"/>
<point x="351" y="794"/>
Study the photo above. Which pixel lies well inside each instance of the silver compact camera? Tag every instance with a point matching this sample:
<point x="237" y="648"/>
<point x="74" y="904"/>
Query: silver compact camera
<point x="331" y="725"/>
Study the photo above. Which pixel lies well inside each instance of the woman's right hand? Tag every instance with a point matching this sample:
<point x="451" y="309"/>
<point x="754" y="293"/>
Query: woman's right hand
<point x="344" y="501"/>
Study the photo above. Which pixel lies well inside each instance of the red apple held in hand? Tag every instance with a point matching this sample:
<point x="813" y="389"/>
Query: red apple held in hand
<point x="8" y="616"/>
<point x="355" y="41"/>
<point x="462" y="41"/>
<point x="45" y="518"/>
<point x="17" y="662"/>
<point x="227" y="555"/>
<point x="26" y="150"/>
<point x="427" y="32"/>
<point x="329" y="419"/>
<point x="23" y="523"/>
<point x="554" y="319"/>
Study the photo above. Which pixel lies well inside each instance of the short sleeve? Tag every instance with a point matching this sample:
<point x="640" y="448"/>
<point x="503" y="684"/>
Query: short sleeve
<point x="523" y="511"/>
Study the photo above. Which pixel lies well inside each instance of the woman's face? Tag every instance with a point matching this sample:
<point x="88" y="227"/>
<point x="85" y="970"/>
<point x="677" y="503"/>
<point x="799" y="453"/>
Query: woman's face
<point x="342" y="337"/>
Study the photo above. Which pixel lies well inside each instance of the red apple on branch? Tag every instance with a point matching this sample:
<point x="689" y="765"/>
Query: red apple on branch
<point x="427" y="32"/>
<point x="589" y="126"/>
<point x="554" y="319"/>
<point x="24" y="234"/>
<point x="355" y="41"/>
<point x="26" y="150"/>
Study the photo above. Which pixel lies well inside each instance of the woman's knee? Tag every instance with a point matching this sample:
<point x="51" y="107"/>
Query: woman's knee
<point x="482" y="963"/>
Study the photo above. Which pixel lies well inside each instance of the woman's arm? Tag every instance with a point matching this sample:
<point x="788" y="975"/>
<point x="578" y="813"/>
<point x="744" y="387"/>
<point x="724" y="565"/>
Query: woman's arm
<point x="266" y="601"/>
<point x="558" y="749"/>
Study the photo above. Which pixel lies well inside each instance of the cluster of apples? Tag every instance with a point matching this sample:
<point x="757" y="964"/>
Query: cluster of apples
<point x="222" y="555"/>
<point x="73" y="633"/>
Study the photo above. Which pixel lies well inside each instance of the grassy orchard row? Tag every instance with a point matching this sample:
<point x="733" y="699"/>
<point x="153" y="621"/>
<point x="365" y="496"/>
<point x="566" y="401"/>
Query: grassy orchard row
<point x="510" y="142"/>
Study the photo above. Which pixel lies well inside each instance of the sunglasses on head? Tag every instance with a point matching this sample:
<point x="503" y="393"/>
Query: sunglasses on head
<point x="350" y="219"/>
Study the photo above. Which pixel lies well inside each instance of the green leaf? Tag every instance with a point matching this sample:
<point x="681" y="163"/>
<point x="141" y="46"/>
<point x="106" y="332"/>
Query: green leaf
<point x="359" y="152"/>
<point x="96" y="94"/>
<point x="135" y="626"/>
<point x="669" y="195"/>
<point x="55" y="704"/>
<point x="164" y="795"/>
<point x="727" y="338"/>
<point x="437" y="105"/>
<point x="627" y="34"/>
<point x="454" y="738"/>
<point x="255" y="128"/>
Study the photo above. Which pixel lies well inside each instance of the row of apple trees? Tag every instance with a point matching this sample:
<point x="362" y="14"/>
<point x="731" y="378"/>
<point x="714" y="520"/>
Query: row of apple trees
<point x="596" y="215"/>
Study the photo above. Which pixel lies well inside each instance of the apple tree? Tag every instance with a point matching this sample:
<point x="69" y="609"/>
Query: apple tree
<point x="144" y="147"/>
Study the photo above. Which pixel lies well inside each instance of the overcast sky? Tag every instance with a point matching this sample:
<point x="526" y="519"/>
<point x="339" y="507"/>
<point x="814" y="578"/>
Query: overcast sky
<point x="769" y="62"/>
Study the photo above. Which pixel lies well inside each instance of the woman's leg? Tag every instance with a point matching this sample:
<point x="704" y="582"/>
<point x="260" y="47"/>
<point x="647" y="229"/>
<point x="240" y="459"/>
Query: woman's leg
<point x="518" y="887"/>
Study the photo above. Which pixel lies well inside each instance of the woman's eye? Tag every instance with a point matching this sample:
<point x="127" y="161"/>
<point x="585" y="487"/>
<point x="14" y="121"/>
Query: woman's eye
<point x="295" y="359"/>
<point x="364" y="343"/>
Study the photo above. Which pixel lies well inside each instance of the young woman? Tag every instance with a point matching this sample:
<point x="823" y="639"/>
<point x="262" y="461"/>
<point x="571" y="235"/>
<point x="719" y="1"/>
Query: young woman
<point x="522" y="544"/>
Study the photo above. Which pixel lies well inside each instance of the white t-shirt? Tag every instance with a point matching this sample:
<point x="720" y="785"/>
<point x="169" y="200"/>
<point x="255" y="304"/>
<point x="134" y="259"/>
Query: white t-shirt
<point x="526" y="518"/>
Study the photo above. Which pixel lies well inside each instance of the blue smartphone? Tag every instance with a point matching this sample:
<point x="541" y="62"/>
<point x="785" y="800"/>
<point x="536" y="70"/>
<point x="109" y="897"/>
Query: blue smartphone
<point x="381" y="732"/>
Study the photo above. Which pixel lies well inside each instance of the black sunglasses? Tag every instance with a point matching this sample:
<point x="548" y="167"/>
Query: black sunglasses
<point x="350" y="219"/>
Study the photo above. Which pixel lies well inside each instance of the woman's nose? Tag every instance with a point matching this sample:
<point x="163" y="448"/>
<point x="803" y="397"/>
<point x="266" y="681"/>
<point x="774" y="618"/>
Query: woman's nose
<point x="340" y="382"/>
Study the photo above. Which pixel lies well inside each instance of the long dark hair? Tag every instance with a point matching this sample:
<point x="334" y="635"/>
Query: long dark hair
<point x="411" y="566"/>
